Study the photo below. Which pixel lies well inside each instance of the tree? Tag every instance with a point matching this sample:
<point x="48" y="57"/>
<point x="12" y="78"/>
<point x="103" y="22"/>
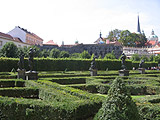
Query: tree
<point x="141" y="40"/>
<point x="126" y="39"/>
<point x="110" y="56"/>
<point x="157" y="58"/>
<point x="132" y="39"/>
<point x="152" y="58"/>
<point x="85" y="55"/>
<point x="145" y="58"/>
<point x="135" y="57"/>
<point x="9" y="50"/>
<point x="118" y="105"/>
<point x="75" y="55"/>
<point x="45" y="53"/>
<point x="54" y="53"/>
<point x="114" y="35"/>
<point x="92" y="56"/>
<point x="64" y="54"/>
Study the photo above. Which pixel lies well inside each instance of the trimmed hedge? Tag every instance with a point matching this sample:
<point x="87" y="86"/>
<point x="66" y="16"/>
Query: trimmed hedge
<point x="11" y="83"/>
<point x="146" y="64"/>
<point x="19" y="92"/>
<point x="60" y="64"/>
<point x="67" y="80"/>
<point x="82" y="104"/>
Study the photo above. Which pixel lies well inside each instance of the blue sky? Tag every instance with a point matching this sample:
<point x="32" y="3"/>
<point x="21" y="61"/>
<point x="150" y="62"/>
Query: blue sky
<point x="82" y="20"/>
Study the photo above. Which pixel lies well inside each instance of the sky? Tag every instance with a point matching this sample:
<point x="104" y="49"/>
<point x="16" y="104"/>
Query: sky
<point x="79" y="20"/>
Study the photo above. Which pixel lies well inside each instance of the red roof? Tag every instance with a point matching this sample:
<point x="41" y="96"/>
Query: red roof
<point x="50" y="42"/>
<point x="6" y="35"/>
<point x="151" y="42"/>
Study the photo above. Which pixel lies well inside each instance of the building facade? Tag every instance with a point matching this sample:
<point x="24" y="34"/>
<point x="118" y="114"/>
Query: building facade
<point x="96" y="49"/>
<point x="4" y="38"/>
<point x="26" y="36"/>
<point x="129" y="51"/>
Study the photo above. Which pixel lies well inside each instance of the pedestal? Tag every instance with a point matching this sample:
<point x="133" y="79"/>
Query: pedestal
<point x="123" y="72"/>
<point x="93" y="72"/>
<point x="31" y="75"/>
<point x="21" y="74"/>
<point x="141" y="70"/>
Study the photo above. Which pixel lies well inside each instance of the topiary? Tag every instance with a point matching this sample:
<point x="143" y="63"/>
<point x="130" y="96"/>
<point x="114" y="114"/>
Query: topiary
<point x="118" y="105"/>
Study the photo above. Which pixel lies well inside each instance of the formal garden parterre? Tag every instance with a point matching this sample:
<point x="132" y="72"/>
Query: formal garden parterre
<point x="73" y="94"/>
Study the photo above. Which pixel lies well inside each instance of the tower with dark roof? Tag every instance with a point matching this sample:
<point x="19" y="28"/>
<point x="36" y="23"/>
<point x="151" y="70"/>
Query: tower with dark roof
<point x="138" y="26"/>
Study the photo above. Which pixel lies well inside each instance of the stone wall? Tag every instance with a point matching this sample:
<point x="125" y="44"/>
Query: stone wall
<point x="97" y="49"/>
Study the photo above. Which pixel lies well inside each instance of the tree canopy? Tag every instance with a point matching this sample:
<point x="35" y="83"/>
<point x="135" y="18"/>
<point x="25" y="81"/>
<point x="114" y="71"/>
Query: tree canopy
<point x="132" y="39"/>
<point x="119" y="104"/>
<point x="114" y="35"/>
<point x="9" y="50"/>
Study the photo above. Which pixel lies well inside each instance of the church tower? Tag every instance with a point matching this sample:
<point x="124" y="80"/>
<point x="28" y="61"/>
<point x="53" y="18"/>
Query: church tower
<point x="138" y="27"/>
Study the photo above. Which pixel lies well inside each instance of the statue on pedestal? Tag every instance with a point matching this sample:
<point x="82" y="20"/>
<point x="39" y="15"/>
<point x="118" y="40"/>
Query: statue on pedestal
<point x="93" y="64"/>
<point x="21" y="70"/>
<point x="93" y="69"/>
<point x="123" y="58"/>
<point x="21" y="62"/>
<point x="30" y="60"/>
<point x="141" y="63"/>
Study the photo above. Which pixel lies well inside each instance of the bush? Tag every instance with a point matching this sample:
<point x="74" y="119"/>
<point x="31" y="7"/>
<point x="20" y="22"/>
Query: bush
<point x="118" y="105"/>
<point x="60" y="64"/>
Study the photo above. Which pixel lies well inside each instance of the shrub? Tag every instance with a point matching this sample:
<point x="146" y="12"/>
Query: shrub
<point x="118" y="105"/>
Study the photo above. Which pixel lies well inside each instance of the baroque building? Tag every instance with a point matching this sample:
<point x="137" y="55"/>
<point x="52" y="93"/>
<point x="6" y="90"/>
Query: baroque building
<point x="4" y="38"/>
<point x="26" y="36"/>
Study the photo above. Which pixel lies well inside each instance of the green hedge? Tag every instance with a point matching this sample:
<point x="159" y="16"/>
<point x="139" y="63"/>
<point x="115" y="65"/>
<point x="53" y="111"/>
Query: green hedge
<point x="56" y="102"/>
<point x="19" y="92"/>
<point x="11" y="83"/>
<point x="146" y="64"/>
<point x="82" y="104"/>
<point x="67" y="80"/>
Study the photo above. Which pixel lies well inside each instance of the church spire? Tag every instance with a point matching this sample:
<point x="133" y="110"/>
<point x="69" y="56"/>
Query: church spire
<point x="100" y="35"/>
<point x="138" y="26"/>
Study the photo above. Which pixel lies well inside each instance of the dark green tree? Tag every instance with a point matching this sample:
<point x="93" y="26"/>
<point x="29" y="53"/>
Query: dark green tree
<point x="126" y="39"/>
<point x="144" y="58"/>
<point x="135" y="57"/>
<point x="114" y="35"/>
<point x="75" y="55"/>
<point x="118" y="105"/>
<point x="9" y="50"/>
<point x="45" y="53"/>
<point x="110" y="55"/>
<point x="132" y="39"/>
<point x="85" y="55"/>
<point x="54" y="53"/>
<point x="157" y="58"/>
<point x="141" y="40"/>
<point x="152" y="58"/>
<point x="64" y="54"/>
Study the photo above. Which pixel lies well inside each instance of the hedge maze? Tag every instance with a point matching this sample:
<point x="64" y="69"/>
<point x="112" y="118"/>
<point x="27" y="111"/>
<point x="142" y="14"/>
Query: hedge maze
<point x="73" y="95"/>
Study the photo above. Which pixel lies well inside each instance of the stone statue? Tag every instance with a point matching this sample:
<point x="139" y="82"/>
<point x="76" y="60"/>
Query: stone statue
<point x="30" y="60"/>
<point x="21" y="62"/>
<point x="93" y="64"/>
<point x="141" y="63"/>
<point x="123" y="58"/>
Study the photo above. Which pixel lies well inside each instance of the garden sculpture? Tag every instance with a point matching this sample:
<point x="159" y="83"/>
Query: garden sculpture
<point x="123" y="58"/>
<point x="93" y="64"/>
<point x="21" y="62"/>
<point x="30" y="60"/>
<point x="141" y="63"/>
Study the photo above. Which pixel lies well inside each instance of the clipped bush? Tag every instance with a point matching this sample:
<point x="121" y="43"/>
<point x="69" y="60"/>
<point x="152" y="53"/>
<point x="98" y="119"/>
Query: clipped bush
<point x="118" y="105"/>
<point x="61" y="64"/>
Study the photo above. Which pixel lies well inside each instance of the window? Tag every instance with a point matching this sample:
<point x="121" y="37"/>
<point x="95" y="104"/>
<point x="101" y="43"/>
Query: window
<point x="0" y="43"/>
